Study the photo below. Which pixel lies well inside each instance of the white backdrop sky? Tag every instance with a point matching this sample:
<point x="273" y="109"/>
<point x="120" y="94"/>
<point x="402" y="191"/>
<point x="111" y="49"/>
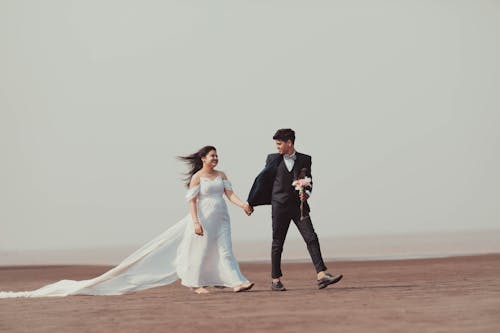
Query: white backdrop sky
<point x="398" y="102"/>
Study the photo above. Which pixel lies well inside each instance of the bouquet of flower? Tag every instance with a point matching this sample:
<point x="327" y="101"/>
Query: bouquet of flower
<point x="301" y="185"/>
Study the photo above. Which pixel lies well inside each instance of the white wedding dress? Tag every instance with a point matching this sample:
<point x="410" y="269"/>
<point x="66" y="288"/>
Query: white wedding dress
<point x="178" y="252"/>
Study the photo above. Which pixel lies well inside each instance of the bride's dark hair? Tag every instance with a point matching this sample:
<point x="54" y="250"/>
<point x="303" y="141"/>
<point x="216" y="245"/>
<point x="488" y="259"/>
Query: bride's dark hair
<point x="194" y="162"/>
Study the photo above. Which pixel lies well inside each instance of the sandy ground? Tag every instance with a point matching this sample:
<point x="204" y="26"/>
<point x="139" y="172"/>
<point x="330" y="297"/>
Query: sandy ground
<point x="460" y="294"/>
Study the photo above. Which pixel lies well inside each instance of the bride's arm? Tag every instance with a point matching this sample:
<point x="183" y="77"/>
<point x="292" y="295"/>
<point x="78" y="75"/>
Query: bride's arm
<point x="232" y="196"/>
<point x="195" y="181"/>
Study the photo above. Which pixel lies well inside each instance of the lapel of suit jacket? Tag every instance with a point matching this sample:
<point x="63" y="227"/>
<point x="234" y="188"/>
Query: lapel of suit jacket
<point x="273" y="165"/>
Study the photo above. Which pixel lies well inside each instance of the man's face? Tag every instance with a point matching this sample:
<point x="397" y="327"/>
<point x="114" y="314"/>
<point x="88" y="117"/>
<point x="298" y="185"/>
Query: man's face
<point x="284" y="147"/>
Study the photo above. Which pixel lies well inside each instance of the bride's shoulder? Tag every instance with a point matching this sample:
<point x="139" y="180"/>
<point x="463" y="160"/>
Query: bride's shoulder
<point x="195" y="180"/>
<point x="222" y="174"/>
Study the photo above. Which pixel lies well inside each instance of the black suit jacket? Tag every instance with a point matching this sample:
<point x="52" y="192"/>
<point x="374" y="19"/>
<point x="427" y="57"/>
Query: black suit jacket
<point x="262" y="188"/>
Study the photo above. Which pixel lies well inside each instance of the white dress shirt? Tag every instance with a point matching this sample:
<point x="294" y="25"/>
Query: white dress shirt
<point x="289" y="160"/>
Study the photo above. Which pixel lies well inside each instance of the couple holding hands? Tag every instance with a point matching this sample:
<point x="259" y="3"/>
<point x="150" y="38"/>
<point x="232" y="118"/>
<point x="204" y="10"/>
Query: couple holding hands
<point x="198" y="249"/>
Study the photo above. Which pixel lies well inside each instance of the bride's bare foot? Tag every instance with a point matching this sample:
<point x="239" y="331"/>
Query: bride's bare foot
<point x="244" y="287"/>
<point x="201" y="290"/>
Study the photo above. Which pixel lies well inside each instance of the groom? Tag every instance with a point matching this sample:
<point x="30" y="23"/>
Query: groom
<point x="273" y="186"/>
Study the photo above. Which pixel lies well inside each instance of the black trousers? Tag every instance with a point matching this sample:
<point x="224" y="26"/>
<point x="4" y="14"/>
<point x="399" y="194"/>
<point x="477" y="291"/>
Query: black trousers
<point x="282" y="215"/>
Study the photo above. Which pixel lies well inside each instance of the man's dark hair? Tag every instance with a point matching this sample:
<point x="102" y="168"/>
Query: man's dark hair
<point x="285" y="134"/>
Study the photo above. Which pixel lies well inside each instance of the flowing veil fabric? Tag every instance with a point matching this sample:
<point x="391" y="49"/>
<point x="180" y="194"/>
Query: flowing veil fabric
<point x="152" y="265"/>
<point x="177" y="253"/>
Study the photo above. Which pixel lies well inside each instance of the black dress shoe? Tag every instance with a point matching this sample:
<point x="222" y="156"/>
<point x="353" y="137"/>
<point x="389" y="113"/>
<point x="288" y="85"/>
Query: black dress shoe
<point x="328" y="279"/>
<point x="277" y="286"/>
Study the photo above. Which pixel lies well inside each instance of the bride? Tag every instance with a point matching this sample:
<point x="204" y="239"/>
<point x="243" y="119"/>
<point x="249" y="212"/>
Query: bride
<point x="197" y="249"/>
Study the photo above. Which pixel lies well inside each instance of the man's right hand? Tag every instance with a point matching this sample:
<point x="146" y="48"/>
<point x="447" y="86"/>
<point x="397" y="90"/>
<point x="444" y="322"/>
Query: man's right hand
<point x="248" y="209"/>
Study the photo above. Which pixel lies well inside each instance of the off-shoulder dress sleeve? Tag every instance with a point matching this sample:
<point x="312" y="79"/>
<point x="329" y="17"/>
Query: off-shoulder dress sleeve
<point x="227" y="184"/>
<point x="192" y="192"/>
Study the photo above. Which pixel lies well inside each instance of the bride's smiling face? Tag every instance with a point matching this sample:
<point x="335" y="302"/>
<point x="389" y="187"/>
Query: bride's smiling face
<point x="211" y="159"/>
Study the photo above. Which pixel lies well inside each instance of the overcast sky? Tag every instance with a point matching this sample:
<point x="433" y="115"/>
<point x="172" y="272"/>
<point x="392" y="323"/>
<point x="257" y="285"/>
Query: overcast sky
<point x="398" y="102"/>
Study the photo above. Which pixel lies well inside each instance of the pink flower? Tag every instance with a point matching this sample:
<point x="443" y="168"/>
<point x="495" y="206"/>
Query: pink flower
<point x="301" y="184"/>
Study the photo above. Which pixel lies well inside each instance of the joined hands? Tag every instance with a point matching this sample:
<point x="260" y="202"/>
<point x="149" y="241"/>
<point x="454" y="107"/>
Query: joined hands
<point x="248" y="209"/>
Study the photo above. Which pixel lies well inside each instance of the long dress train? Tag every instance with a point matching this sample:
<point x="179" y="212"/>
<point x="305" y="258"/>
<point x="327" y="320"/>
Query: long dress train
<point x="176" y="253"/>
